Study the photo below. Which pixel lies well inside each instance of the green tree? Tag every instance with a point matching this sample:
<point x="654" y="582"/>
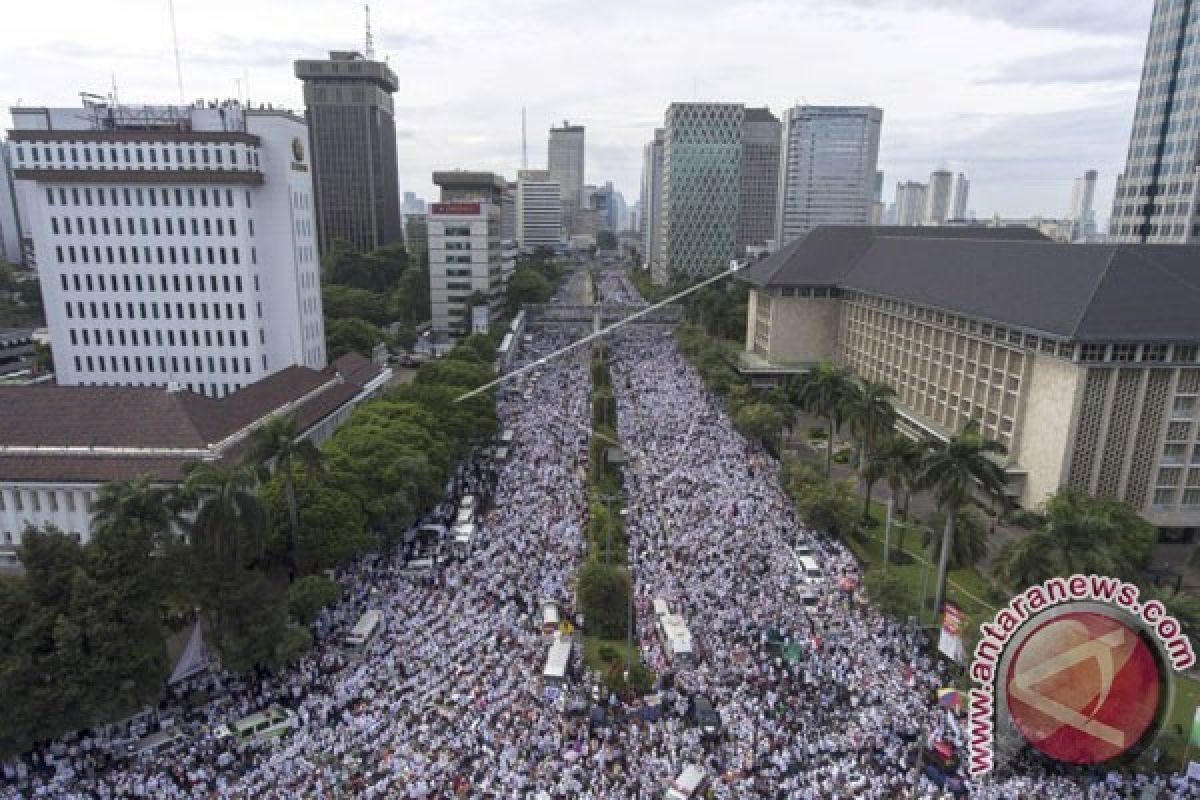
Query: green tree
<point x="248" y="621"/>
<point x="347" y="302"/>
<point x="829" y="506"/>
<point x="604" y="593"/>
<point x="136" y="504"/>
<point x="231" y="521"/>
<point x="761" y="422"/>
<point x="1081" y="534"/>
<point x="958" y="471"/>
<point x="351" y="335"/>
<point x="822" y="391"/>
<point x="889" y="591"/>
<point x="310" y="594"/>
<point x="278" y="445"/>
<point x="970" y="537"/>
<point x="871" y="415"/>
<point x="527" y="285"/>
<point x="332" y="526"/>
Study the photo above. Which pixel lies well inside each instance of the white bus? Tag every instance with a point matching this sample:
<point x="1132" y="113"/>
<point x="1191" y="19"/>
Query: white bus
<point x="558" y="662"/>
<point x="365" y="630"/>
<point x="677" y="641"/>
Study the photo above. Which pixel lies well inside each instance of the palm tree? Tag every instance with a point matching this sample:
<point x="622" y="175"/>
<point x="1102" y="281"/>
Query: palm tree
<point x="822" y="391"/>
<point x="897" y="460"/>
<point x="956" y="470"/>
<point x="229" y="510"/>
<point x="1082" y="534"/>
<point x="135" y="503"/>
<point x="871" y="415"/>
<point x="278" y="443"/>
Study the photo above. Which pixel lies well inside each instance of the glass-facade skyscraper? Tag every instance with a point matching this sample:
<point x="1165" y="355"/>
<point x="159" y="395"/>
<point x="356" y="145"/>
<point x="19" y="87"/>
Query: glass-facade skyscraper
<point x="1158" y="195"/>
<point x="827" y="167"/>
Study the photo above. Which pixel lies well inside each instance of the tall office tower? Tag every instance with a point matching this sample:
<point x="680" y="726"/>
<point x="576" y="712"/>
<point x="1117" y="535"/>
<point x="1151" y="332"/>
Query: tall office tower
<point x="759" y="180"/>
<point x="828" y="161"/>
<point x="1082" y="216"/>
<point x="539" y="210"/>
<point x="702" y="154"/>
<point x="910" y="203"/>
<point x="465" y="248"/>
<point x="938" y="197"/>
<point x="958" y="205"/>
<point x="1158" y="195"/>
<point x="176" y="245"/>
<point x="651" y="202"/>
<point x="564" y="160"/>
<point x="348" y="102"/>
<point x="412" y="204"/>
<point x="11" y="247"/>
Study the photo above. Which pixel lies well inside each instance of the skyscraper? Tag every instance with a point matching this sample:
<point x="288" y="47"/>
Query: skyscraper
<point x="962" y="188"/>
<point x="564" y="160"/>
<point x="539" y="210"/>
<point x="175" y="243"/>
<point x="651" y="200"/>
<point x="910" y="203"/>
<point x="702" y="153"/>
<point x="1082" y="216"/>
<point x="828" y="160"/>
<point x="348" y="102"/>
<point x="759" y="179"/>
<point x="1158" y="195"/>
<point x="938" y="197"/>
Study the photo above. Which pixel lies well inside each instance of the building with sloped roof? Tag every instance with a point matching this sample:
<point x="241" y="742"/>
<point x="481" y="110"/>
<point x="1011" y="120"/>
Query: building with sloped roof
<point x="60" y="444"/>
<point x="1081" y="359"/>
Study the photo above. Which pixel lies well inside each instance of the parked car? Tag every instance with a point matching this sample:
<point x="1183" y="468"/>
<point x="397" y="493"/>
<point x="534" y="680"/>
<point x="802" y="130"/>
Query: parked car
<point x="705" y="717"/>
<point x="271" y="723"/>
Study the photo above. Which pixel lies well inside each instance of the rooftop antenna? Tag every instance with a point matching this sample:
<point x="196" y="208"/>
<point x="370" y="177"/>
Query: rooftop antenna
<point x="524" y="150"/>
<point x="370" y="49"/>
<point x="175" y="43"/>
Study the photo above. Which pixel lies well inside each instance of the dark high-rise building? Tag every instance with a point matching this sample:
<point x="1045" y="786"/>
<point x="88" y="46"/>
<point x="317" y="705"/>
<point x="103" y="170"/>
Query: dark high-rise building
<point x="1158" y="196"/>
<point x="352" y="131"/>
<point x="759" y="180"/>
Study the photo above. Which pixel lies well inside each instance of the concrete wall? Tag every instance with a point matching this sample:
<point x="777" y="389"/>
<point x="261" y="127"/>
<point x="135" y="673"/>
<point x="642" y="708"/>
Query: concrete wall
<point x="1047" y="431"/>
<point x="803" y="330"/>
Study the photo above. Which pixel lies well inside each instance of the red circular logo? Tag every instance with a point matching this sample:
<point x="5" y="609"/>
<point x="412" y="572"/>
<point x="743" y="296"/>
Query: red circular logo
<point x="1084" y="687"/>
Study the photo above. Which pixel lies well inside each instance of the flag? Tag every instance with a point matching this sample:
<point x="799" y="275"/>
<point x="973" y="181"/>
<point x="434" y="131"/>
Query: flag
<point x="949" y="698"/>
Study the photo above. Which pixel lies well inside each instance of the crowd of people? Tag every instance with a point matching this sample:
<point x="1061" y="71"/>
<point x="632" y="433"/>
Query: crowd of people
<point x="448" y="700"/>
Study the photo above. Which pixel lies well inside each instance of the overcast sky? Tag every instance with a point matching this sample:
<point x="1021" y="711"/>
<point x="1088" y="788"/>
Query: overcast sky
<point x="1023" y="95"/>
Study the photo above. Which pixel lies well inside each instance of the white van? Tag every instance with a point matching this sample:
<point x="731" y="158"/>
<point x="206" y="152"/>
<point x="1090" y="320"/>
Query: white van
<point x="558" y="662"/>
<point x="506" y="437"/>
<point x="365" y="630"/>
<point x="464" y="540"/>
<point x="810" y="571"/>
<point x="661" y="609"/>
<point x="690" y="783"/>
<point x="467" y="501"/>
<point x="466" y="516"/>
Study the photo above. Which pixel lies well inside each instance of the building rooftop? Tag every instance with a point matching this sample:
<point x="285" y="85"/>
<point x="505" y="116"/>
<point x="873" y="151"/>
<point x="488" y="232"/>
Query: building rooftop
<point x="102" y="433"/>
<point x="1010" y="276"/>
<point x="461" y="179"/>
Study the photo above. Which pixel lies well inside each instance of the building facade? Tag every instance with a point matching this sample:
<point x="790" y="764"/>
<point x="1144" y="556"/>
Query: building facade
<point x="702" y="154"/>
<point x="466" y="253"/>
<point x="761" y="132"/>
<point x="352" y="129"/>
<point x="828" y="161"/>
<point x="539" y="210"/>
<point x="176" y="245"/>
<point x="416" y="237"/>
<point x="565" y="161"/>
<point x="1078" y="359"/>
<point x="1082" y="215"/>
<point x="910" y="203"/>
<point x="650" y="218"/>
<point x="1157" y="197"/>
<point x="12" y="247"/>
<point x="962" y="190"/>
<point x="939" y="197"/>
<point x="59" y="445"/>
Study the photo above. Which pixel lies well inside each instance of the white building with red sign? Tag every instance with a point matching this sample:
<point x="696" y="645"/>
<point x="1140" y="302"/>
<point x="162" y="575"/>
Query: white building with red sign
<point x="465" y="251"/>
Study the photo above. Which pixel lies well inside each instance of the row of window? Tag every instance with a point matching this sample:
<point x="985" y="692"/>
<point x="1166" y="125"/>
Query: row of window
<point x="178" y="283"/>
<point x="190" y="364"/>
<point x="127" y="197"/>
<point x="1145" y="353"/>
<point x="154" y="225"/>
<point x="75" y="155"/>
<point x="1152" y="229"/>
<point x="99" y="337"/>
<point x="16" y="498"/>
<point x="160" y="255"/>
<point x="102" y="310"/>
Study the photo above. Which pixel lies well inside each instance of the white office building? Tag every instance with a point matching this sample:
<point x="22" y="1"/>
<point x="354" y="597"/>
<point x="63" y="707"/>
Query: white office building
<point x="939" y="197"/>
<point x="539" y="210"/>
<point x="11" y="245"/>
<point x="175" y="244"/>
<point x="1082" y="215"/>
<point x="466" y="252"/>
<point x="565" y="161"/>
<point x="910" y="203"/>
<point x="962" y="190"/>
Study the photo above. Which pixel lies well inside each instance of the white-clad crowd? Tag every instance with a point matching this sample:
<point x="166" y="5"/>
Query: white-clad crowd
<point x="449" y="701"/>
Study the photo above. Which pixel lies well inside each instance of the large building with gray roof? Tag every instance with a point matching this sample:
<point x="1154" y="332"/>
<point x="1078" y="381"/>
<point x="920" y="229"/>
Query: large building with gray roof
<point x="1082" y="360"/>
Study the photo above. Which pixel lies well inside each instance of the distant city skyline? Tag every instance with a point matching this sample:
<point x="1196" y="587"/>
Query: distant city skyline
<point x="1025" y="97"/>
